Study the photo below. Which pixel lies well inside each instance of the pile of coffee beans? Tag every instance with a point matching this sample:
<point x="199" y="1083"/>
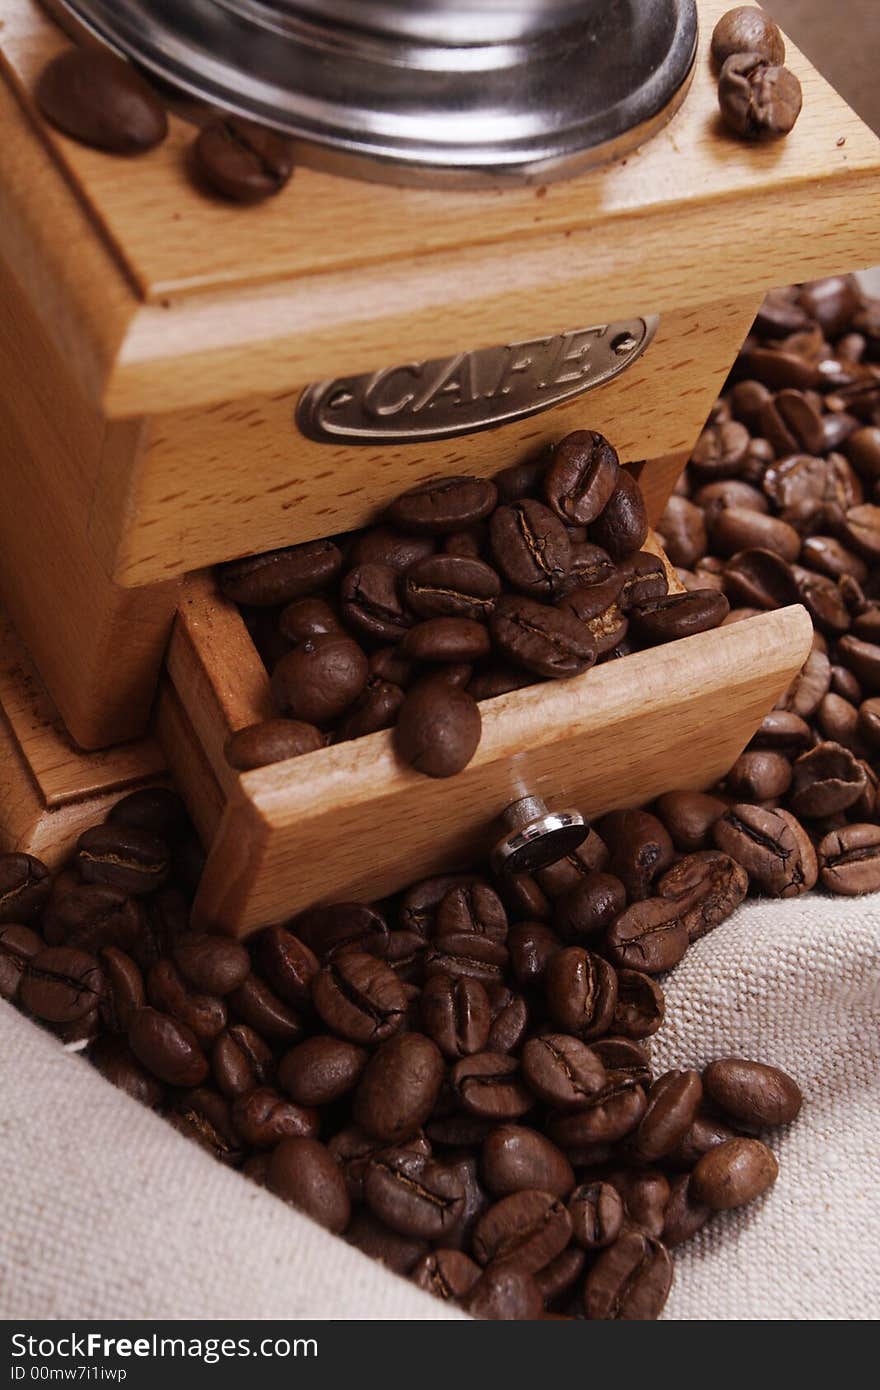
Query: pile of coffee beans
<point x="100" y="100"/>
<point x="467" y="588"/>
<point x="779" y="505"/>
<point x="759" y="97"/>
<point x="457" y="1081"/>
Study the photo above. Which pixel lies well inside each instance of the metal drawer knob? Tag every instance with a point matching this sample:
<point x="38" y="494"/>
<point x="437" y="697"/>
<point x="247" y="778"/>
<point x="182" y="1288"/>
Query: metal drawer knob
<point x="535" y="836"/>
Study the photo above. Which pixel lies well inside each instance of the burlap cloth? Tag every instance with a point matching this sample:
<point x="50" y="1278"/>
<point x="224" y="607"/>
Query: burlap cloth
<point x="109" y="1213"/>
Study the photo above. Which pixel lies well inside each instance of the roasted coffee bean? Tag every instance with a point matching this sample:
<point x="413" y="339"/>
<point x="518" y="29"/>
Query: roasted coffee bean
<point x="505" y="1292"/>
<point x="752" y="1093"/>
<point x="467" y="956"/>
<point x="548" y="641"/>
<point x="869" y="722"/>
<point x="838" y="720"/>
<point x="307" y="617"/>
<point x="331" y="928"/>
<point x="371" y="1236"/>
<point x="212" y="964"/>
<point x="456" y="1014"/>
<point x="114" y="1059"/>
<point x="829" y="557"/>
<point x="94" y="96"/>
<point x="205" y="1117"/>
<point x="630" y="1280"/>
<point x="321" y="1070"/>
<point x="733" y="1174"/>
<point x="377" y="707"/>
<point x="684" y="1216"/>
<point x="644" y="579"/>
<point x="849" y="860"/>
<point x="241" y="1061"/>
<point x="371" y="602"/>
<point x="772" y="846"/>
<point x="708" y="886"/>
<point x="488" y="1084"/>
<point x="644" y="1193"/>
<point x="582" y="476"/>
<point x="419" y="904"/>
<point x="135" y="861"/>
<point x="589" y="906"/>
<point x="451" y="586"/>
<point x="279" y="576"/>
<point x="25" y="886"/>
<point x="443" y="505"/>
<point x="747" y="29"/>
<point x="531" y="946"/>
<point x="263" y="1118"/>
<point x="91" y="915"/>
<point x="673" y="1101"/>
<point x="320" y="678"/>
<point x="399" y="1087"/>
<point x="271" y="741"/>
<point x="558" y="1278"/>
<point x="413" y="1194"/>
<point x="562" y="1070"/>
<point x="824" y="602"/>
<point x="624" y="1059"/>
<point x="689" y="817"/>
<point x="737" y="529"/>
<point x="863" y="659"/>
<point x="288" y="964"/>
<point x="609" y="1115"/>
<point x="861" y="530"/>
<point x="721" y="450"/>
<point x="123" y="990"/>
<point x="531" y="547"/>
<point x="640" y="1007"/>
<point x="762" y="579"/>
<point x="381" y="545"/>
<point x="515" y="1159"/>
<point x="472" y="907"/>
<point x="259" y="1007"/>
<point x="758" y="99"/>
<point x="302" y="1172"/>
<point x="168" y="991"/>
<point x="447" y="640"/>
<point x="359" y="997"/>
<point x="650" y="936"/>
<point x="640" y="850"/>
<point x="683" y="528"/>
<point x="167" y="1048"/>
<point x="18" y="945"/>
<point x="809" y="687"/>
<point x="824" y="781"/>
<point x="679" y="615"/>
<point x="156" y="809"/>
<point x="242" y="161"/>
<point x="783" y="732"/>
<point x="447" y="1274"/>
<point x="438" y="729"/>
<point x="622" y="526"/>
<point x="527" y="1230"/>
<point x="581" y="992"/>
<point x="61" y="984"/>
<point x="596" y="1212"/>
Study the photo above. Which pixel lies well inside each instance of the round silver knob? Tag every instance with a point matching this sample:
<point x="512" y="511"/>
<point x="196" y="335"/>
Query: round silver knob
<point x="535" y="836"/>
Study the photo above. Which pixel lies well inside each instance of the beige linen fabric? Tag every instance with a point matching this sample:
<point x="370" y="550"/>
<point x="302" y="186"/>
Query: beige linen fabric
<point x="108" y="1212"/>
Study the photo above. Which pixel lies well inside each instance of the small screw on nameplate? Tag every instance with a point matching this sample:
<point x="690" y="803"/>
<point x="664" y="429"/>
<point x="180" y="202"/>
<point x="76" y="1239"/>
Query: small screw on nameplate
<point x="448" y="396"/>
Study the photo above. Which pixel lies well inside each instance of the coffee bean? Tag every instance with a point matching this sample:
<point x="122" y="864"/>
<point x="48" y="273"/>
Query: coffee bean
<point x="861" y="530"/>
<point x="772" y="846"/>
<point x="527" y="1230"/>
<point x="758" y="99"/>
<point x="590" y="905"/>
<point x="609" y="1115"/>
<point x="321" y="1070"/>
<point x="263" y="1118"/>
<point x="438" y="729"/>
<point x="307" y="617"/>
<point x="640" y="1007"/>
<point x="320" y="678"/>
<point x="562" y="1070"/>
<point x="123" y="991"/>
<point x="383" y="546"/>
<point x="327" y="931"/>
<point x="744" y="528"/>
<point x="581" y="992"/>
<point x="673" y="1101"/>
<point x="548" y="641"/>
<point x="18" y="945"/>
<point x="272" y="741"/>
<point x="205" y="1117"/>
<point x="503" y="1293"/>
<point x="679" y="615"/>
<point x="488" y="1085"/>
<point x="398" y="1088"/>
<point x="447" y="640"/>
<point x="532" y="945"/>
<point x="98" y="99"/>
<point x="302" y="1172"/>
<point x="582" y="476"/>
<point x="829" y="557"/>
<point x="61" y="984"/>
<point x="241" y="1061"/>
<point x="377" y="707"/>
<point x="825" y="780"/>
<point x="212" y="964"/>
<point x="689" y="817"/>
<point x="684" y="1216"/>
<point x="156" y="809"/>
<point x="447" y="1274"/>
<point x="467" y="956"/>
<point x="203" y="1014"/>
<point x="752" y="1093"/>
<point x="167" y="1048"/>
<point x="132" y="860"/>
<point x="650" y="936"/>
<point x="259" y="1007"/>
<point x="114" y="1059"/>
<point x="371" y="1236"/>
<point x="849" y="860"/>
<point x="644" y="579"/>
<point x="733" y="1174"/>
<point x="242" y="161"/>
<point x="531" y="548"/>
<point x="359" y="998"/>
<point x="640" y="850"/>
<point x="371" y="603"/>
<point x="279" y="576"/>
<point x="25" y="886"/>
<point x="451" y="586"/>
<point x="288" y="964"/>
<point x="863" y="659"/>
<point x="747" y="29"/>
<point x="443" y="505"/>
<point x="720" y="450"/>
<point x="456" y="1014"/>
<point x="630" y="1280"/>
<point x="809" y="687"/>
<point x="515" y="1159"/>
<point x="708" y="886"/>
<point x="559" y="1277"/>
<point x="596" y="1212"/>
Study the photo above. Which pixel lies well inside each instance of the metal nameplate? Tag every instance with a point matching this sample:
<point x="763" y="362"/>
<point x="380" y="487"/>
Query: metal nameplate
<point x="470" y="391"/>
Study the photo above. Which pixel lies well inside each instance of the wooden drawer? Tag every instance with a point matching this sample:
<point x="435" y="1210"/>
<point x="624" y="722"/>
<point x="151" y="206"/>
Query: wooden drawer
<point x="351" y="821"/>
